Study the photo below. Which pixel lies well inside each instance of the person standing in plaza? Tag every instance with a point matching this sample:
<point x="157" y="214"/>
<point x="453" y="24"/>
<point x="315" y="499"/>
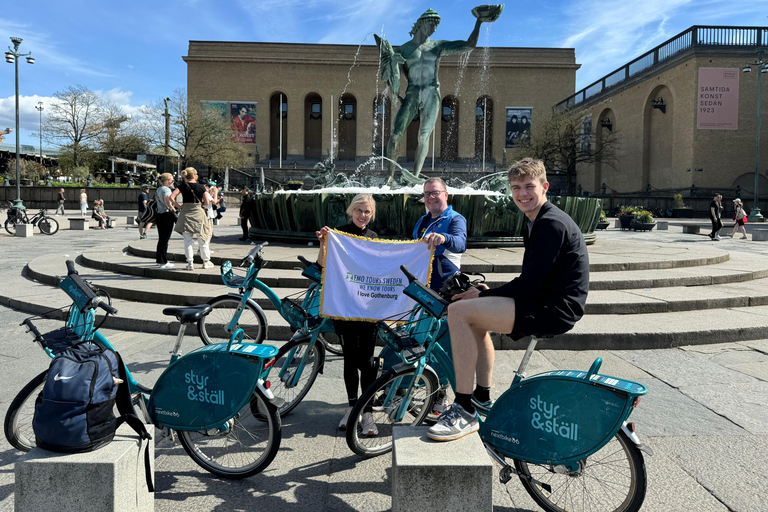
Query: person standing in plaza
<point x="146" y="218"/>
<point x="740" y="216"/>
<point x="193" y="220"/>
<point x="61" y="199"/>
<point x="246" y="206"/>
<point x="83" y="202"/>
<point x="715" y="216"/>
<point x="358" y="339"/>
<point x="166" y="218"/>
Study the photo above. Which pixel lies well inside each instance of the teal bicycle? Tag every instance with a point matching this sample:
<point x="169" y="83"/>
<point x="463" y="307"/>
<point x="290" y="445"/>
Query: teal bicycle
<point x="566" y="432"/>
<point x="215" y="398"/>
<point x="299" y="361"/>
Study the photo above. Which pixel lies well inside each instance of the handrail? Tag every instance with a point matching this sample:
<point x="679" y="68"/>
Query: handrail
<point x="698" y="36"/>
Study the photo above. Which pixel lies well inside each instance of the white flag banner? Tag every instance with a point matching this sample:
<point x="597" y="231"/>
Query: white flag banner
<point x="362" y="279"/>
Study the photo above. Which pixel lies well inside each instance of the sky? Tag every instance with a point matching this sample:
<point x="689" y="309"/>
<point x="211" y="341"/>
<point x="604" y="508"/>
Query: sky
<point x="131" y="52"/>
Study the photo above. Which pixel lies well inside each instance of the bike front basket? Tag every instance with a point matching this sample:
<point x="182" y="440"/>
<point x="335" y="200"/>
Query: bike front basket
<point x="399" y="337"/>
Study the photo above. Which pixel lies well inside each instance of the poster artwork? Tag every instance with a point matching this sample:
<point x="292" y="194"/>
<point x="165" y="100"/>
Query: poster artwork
<point x="518" y="125"/>
<point x="220" y="107"/>
<point x="243" y="122"/>
<point x="717" y="105"/>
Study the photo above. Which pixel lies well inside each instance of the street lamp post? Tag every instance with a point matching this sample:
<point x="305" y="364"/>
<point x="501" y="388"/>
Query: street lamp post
<point x="12" y="57"/>
<point x="40" y="109"/>
<point x="762" y="67"/>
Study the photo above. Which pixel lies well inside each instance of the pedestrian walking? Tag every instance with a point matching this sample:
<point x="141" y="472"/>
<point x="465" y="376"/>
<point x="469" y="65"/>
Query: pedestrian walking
<point x="715" y="216"/>
<point x="740" y="216"/>
<point x="61" y="198"/>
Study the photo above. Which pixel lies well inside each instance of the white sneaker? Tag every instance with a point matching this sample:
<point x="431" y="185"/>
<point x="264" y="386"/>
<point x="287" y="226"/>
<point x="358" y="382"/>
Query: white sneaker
<point x="345" y="420"/>
<point x="454" y="424"/>
<point x="718" y="237"/>
<point x="166" y="265"/>
<point x="190" y="267"/>
<point x="208" y="264"/>
<point x="368" y="425"/>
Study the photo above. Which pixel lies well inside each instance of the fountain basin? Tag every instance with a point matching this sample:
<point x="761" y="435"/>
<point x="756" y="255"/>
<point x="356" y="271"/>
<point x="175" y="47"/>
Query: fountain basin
<point x="493" y="220"/>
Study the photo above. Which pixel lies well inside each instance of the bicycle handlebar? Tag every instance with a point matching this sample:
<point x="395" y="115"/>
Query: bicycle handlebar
<point x="71" y="267"/>
<point x="411" y="277"/>
<point x="35" y="331"/>
<point x="251" y="256"/>
<point x="106" y="307"/>
<point x="304" y="261"/>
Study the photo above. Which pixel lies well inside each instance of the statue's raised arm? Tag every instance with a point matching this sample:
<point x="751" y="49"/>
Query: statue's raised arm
<point x="390" y="66"/>
<point x="484" y="14"/>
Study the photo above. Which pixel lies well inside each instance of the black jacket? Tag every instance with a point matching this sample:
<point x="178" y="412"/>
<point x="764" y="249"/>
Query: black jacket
<point x="555" y="269"/>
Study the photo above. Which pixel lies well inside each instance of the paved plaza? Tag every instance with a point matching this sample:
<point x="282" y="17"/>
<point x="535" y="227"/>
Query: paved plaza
<point x="705" y="415"/>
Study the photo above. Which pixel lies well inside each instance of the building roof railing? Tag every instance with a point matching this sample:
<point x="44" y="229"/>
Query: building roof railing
<point x="698" y="36"/>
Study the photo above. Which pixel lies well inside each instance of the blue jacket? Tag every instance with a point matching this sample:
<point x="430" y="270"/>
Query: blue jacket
<point x="453" y="226"/>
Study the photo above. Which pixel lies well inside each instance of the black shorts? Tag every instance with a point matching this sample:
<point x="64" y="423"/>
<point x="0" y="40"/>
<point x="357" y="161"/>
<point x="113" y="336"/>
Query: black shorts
<point x="539" y="320"/>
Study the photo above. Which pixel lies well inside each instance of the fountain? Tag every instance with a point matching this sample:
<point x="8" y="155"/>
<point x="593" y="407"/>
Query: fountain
<point x="493" y="220"/>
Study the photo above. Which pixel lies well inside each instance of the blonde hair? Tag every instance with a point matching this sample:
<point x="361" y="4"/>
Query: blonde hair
<point x="96" y="202"/>
<point x="189" y="172"/>
<point x="166" y="176"/>
<point x="360" y="199"/>
<point x="527" y="167"/>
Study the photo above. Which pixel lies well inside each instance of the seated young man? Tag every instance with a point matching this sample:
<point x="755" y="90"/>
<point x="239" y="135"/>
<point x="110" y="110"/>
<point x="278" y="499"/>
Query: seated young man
<point x="547" y="298"/>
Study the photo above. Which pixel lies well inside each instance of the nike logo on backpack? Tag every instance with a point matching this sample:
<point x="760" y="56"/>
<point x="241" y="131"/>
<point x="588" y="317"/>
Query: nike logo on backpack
<point x="59" y="377"/>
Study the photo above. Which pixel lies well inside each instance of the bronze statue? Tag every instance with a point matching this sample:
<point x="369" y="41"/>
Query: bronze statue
<point x="420" y="60"/>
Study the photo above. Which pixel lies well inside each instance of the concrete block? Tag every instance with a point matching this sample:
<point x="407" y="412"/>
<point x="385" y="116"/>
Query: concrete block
<point x="24" y="230"/>
<point x="617" y="223"/>
<point x="458" y="475"/>
<point x="758" y="235"/>
<point x="691" y="229"/>
<point x="111" y="222"/>
<point x="662" y="225"/>
<point x="130" y="221"/>
<point x="110" y="479"/>
<point x="79" y="224"/>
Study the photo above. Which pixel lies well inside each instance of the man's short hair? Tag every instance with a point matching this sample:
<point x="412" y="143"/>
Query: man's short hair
<point x="437" y="180"/>
<point x="527" y="167"/>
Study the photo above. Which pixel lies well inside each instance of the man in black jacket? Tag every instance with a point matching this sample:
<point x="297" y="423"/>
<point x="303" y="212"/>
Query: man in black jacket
<point x="246" y="206"/>
<point x="547" y="298"/>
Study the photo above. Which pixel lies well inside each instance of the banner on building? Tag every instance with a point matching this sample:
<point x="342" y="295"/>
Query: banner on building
<point x="717" y="106"/>
<point x="243" y="122"/>
<point x="362" y="279"/>
<point x="220" y="107"/>
<point x="518" y="125"/>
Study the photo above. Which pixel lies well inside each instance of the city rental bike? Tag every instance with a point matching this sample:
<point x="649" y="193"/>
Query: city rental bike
<point x="566" y="432"/>
<point x="214" y="398"/>
<point x="298" y="361"/>
<point x="47" y="225"/>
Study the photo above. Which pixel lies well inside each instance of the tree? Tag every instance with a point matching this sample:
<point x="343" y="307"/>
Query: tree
<point x="196" y="134"/>
<point x="73" y="121"/>
<point x="119" y="135"/>
<point x="563" y="142"/>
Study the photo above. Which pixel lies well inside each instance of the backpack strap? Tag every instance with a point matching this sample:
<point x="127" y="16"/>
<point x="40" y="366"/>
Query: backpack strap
<point x="128" y="415"/>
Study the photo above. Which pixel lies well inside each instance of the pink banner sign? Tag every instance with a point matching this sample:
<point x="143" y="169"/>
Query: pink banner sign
<point x="717" y="105"/>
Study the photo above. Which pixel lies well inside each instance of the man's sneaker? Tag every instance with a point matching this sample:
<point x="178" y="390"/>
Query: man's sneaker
<point x="208" y="264"/>
<point x="345" y="420"/>
<point x="454" y="424"/>
<point x="190" y="266"/>
<point x="368" y="426"/>
<point x="441" y="404"/>
<point x="482" y="407"/>
<point x="166" y="265"/>
<point x="142" y="237"/>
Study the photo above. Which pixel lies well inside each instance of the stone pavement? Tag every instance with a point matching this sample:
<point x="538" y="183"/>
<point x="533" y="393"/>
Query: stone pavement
<point x="705" y="416"/>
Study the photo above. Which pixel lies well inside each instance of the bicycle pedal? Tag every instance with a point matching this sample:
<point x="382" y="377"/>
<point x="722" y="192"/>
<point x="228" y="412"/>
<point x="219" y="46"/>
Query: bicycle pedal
<point x="505" y="474"/>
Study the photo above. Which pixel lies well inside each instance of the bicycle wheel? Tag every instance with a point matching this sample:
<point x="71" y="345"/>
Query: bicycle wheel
<point x="213" y="326"/>
<point x="18" y="419"/>
<point x="287" y="362"/>
<point x="10" y="226"/>
<point x="613" y="479"/>
<point x="385" y="405"/>
<point x="245" y="448"/>
<point x="48" y="225"/>
<point x="332" y="343"/>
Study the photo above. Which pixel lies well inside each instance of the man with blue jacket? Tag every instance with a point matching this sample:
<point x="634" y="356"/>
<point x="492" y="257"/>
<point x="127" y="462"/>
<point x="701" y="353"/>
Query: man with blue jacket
<point x="441" y="228"/>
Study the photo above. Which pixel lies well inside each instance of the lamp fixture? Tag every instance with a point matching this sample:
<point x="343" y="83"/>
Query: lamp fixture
<point x="659" y="104"/>
<point x="606" y="123"/>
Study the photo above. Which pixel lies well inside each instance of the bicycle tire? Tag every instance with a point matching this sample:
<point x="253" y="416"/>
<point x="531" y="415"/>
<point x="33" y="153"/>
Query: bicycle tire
<point x="422" y="396"/>
<point x="618" y="466"/>
<point x="332" y="343"/>
<point x="10" y="226"/>
<point x="245" y="449"/>
<point x="283" y="370"/>
<point x="48" y="225"/>
<point x="212" y="327"/>
<point x="18" y="418"/>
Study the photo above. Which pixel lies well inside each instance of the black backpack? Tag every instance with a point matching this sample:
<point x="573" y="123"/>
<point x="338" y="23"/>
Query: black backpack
<point x="74" y="413"/>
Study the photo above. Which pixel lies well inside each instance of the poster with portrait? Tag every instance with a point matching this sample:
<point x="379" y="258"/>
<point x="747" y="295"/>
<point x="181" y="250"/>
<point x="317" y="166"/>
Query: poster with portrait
<point x="518" y="125"/>
<point x="220" y="107"/>
<point x="243" y="122"/>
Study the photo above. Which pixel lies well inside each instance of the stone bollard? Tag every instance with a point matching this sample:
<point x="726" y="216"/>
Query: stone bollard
<point x="759" y="235"/>
<point x="24" y="230"/>
<point x="662" y="225"/>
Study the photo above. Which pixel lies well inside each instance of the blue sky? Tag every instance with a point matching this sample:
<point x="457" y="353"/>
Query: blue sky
<point x="130" y="52"/>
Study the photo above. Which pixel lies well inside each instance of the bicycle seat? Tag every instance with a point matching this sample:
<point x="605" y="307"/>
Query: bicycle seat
<point x="188" y="314"/>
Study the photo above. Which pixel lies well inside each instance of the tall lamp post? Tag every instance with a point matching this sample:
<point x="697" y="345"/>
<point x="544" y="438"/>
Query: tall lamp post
<point x="12" y="57"/>
<point x="40" y="109"/>
<point x="762" y="66"/>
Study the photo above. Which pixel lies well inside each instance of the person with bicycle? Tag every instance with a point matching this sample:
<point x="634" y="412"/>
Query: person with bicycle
<point x="547" y="298"/>
<point x="358" y="339"/>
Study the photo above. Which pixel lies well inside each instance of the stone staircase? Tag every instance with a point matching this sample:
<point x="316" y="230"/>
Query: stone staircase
<point x="672" y="295"/>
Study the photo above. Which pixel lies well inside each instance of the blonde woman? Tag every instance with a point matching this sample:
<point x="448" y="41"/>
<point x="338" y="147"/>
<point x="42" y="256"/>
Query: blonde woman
<point x="358" y="339"/>
<point x="165" y="219"/>
<point x="83" y="202"/>
<point x="96" y="214"/>
<point x="740" y="217"/>
<point x="192" y="218"/>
